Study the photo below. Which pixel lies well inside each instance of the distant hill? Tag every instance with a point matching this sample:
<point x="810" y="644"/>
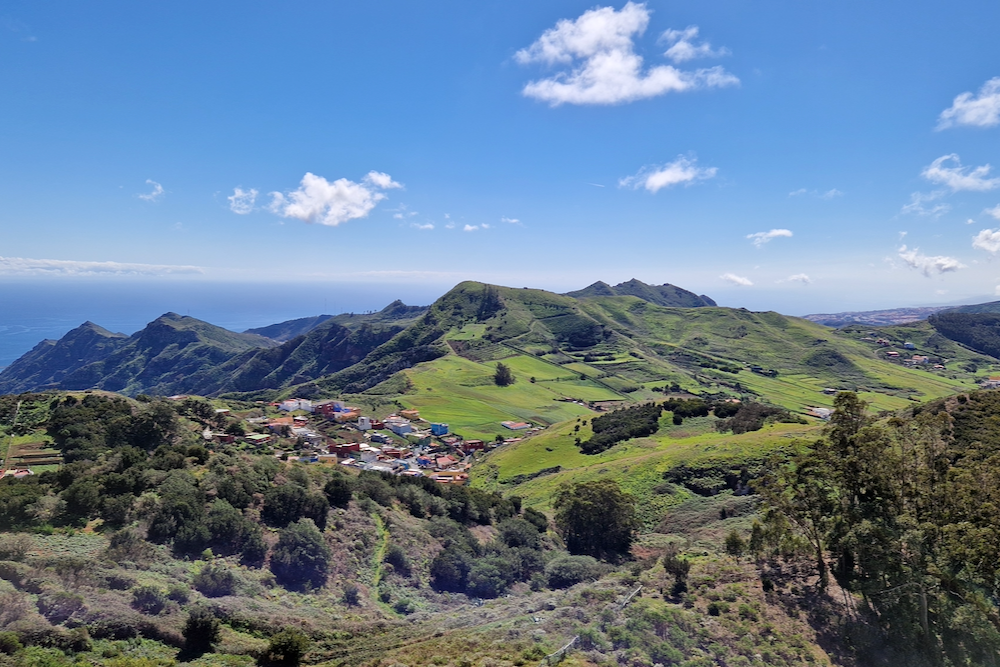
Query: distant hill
<point x="396" y="312"/>
<point x="158" y="359"/>
<point x="877" y="317"/>
<point x="667" y="295"/>
<point x="289" y="329"/>
<point x="990" y="307"/>
<point x="49" y="362"/>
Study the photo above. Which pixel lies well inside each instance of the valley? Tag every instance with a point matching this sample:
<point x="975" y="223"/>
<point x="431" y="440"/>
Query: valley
<point x="186" y="465"/>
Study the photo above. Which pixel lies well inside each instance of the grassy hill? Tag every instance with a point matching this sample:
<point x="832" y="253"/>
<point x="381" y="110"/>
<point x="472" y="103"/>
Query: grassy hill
<point x="626" y="349"/>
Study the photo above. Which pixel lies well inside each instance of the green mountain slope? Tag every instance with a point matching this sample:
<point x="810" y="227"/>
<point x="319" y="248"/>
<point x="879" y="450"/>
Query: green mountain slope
<point x="326" y="349"/>
<point x="566" y="353"/>
<point x="50" y="361"/>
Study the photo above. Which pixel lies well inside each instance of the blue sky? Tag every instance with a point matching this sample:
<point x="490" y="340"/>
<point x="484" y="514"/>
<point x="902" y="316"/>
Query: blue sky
<point x="795" y="156"/>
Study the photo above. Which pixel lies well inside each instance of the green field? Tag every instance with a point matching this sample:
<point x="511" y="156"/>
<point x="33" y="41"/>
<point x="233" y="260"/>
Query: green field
<point x="637" y="465"/>
<point x="461" y="393"/>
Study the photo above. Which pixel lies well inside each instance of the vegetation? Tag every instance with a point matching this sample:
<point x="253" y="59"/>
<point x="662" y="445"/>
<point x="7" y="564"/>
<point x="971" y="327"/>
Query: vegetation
<point x="902" y="509"/>
<point x="596" y="519"/>
<point x="503" y="377"/>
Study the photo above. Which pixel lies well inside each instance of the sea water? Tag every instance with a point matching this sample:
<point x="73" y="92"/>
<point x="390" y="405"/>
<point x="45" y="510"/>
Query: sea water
<point x="34" y="310"/>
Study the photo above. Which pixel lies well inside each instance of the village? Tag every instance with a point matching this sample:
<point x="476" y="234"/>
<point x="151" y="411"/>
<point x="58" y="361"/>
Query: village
<point x="333" y="433"/>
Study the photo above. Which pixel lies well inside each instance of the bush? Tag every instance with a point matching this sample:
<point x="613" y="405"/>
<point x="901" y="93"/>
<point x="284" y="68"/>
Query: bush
<point x="395" y="556"/>
<point x="9" y="643"/>
<point x="60" y="606"/>
<point x="352" y="595"/>
<point x="566" y="571"/>
<point x="301" y="559"/>
<point x="288" y="647"/>
<point x="149" y="599"/>
<point x="179" y="594"/>
<point x="15" y="547"/>
<point x="201" y="630"/>
<point x="338" y="491"/>
<point x="215" y="580"/>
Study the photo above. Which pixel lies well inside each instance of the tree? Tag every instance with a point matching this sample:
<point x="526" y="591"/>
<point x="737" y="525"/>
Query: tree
<point x="503" y="377"/>
<point x="596" y="518"/>
<point x="735" y="545"/>
<point x="301" y="559"/>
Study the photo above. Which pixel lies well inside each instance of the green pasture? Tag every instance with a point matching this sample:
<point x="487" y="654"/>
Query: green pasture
<point x="462" y="393"/>
<point x="637" y="465"/>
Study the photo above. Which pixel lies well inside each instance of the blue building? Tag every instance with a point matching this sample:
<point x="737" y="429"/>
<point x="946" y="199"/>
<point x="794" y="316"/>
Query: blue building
<point x="439" y="429"/>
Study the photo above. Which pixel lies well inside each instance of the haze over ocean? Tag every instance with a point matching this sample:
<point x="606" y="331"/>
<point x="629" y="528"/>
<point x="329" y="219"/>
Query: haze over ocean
<point x="33" y="310"/>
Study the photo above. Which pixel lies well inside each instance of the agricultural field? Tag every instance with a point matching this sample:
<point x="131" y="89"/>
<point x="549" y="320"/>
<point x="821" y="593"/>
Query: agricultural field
<point x="535" y="467"/>
<point x="462" y="393"/>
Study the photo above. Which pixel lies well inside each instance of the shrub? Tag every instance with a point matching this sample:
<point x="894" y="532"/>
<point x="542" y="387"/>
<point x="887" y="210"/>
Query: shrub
<point x="352" y="595"/>
<point x="338" y="491"/>
<point x="179" y="594"/>
<point x="215" y="580"/>
<point x="60" y="606"/>
<point x="149" y="599"/>
<point x="15" y="547"/>
<point x="566" y="571"/>
<point x="395" y="556"/>
<point x="201" y="630"/>
<point x="301" y="559"/>
<point x="288" y="647"/>
<point x="9" y="643"/>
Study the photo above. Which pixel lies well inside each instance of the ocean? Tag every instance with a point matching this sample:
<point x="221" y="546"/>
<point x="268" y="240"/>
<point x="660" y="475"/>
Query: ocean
<point x="33" y="310"/>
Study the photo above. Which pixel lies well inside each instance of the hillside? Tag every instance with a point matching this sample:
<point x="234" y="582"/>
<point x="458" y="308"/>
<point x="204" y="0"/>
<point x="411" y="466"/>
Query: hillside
<point x="285" y="331"/>
<point x="623" y="348"/>
<point x="148" y="529"/>
<point x="161" y="357"/>
<point x="396" y="313"/>
<point x="49" y="362"/>
<point x="326" y="349"/>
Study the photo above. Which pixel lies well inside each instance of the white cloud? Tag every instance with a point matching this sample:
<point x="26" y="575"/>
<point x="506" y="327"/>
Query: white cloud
<point x="967" y="109"/>
<point x="155" y="194"/>
<point x="50" y="267"/>
<point x="995" y="211"/>
<point x="829" y="194"/>
<point x="988" y="240"/>
<point x="926" y="264"/>
<point x="655" y="178"/>
<point x="760" y="238"/>
<point x="958" y="177"/>
<point x="799" y="278"/>
<point x="241" y="201"/>
<point x="511" y="221"/>
<point x="425" y="226"/>
<point x="736" y="280"/>
<point x="917" y="201"/>
<point x="600" y="65"/>
<point x="318" y="200"/>
<point x="484" y="226"/>
<point x="683" y="48"/>
<point x="470" y="228"/>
